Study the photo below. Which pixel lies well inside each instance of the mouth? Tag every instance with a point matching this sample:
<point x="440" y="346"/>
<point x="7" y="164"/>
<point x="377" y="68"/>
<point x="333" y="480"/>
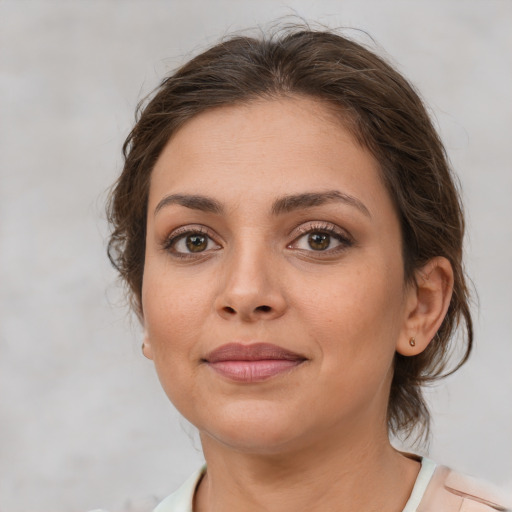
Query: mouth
<point x="256" y="362"/>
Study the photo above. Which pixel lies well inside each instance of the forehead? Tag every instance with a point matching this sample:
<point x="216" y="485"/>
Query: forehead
<point x="264" y="149"/>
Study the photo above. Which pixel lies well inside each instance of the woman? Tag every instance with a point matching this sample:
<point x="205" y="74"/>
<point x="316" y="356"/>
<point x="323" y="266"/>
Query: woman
<point x="291" y="236"/>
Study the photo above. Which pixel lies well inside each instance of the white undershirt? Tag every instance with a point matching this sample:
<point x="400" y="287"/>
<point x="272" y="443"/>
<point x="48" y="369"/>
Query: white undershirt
<point x="420" y="486"/>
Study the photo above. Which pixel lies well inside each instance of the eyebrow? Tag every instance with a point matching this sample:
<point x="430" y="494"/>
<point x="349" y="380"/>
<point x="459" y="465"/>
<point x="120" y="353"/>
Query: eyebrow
<point x="291" y="203"/>
<point x="195" y="202"/>
<point x="285" y="204"/>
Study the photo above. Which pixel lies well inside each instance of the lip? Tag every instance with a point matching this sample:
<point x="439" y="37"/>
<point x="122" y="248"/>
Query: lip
<point x="255" y="362"/>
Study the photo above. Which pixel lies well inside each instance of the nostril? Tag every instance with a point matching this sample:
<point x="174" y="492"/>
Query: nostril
<point x="230" y="311"/>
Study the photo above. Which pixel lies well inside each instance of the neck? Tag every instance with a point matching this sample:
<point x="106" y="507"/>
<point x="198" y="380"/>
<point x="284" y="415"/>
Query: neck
<point x="360" y="473"/>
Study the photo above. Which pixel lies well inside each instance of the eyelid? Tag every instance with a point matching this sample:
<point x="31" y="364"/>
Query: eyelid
<point x="342" y="235"/>
<point x="325" y="226"/>
<point x="189" y="229"/>
<point x="345" y="239"/>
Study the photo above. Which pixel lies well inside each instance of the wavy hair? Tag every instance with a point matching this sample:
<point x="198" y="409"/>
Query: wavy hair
<point x="384" y="113"/>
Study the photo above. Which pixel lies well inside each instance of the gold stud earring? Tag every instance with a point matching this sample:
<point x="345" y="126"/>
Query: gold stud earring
<point x="412" y="342"/>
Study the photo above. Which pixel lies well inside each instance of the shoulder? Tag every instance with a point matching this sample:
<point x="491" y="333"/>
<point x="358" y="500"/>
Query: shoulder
<point x="449" y="491"/>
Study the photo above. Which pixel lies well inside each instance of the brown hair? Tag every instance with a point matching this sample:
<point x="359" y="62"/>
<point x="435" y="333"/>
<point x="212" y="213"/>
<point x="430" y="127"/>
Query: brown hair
<point x="384" y="113"/>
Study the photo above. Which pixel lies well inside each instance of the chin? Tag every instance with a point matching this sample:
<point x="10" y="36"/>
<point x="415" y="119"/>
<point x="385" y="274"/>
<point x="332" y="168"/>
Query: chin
<point x="259" y="431"/>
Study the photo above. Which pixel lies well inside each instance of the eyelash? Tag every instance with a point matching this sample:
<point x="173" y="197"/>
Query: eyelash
<point x="181" y="233"/>
<point x="345" y="240"/>
<point x="326" y="228"/>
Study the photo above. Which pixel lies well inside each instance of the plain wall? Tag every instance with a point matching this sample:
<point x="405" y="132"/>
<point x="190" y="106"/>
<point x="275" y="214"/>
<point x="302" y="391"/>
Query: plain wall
<point x="83" y="421"/>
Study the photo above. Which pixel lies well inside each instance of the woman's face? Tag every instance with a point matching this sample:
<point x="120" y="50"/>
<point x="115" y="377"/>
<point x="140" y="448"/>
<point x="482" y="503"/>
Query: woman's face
<point x="273" y="290"/>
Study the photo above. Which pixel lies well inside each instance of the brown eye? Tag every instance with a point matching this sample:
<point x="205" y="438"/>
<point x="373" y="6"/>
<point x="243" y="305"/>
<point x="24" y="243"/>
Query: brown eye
<point x="196" y="243"/>
<point x="191" y="242"/>
<point x="325" y="239"/>
<point x="319" y="241"/>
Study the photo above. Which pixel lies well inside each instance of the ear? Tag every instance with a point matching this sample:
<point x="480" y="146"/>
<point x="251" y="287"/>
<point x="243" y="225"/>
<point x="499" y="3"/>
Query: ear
<point x="427" y="301"/>
<point x="147" y="349"/>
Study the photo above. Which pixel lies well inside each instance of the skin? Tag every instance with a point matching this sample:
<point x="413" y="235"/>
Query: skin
<point x="315" y="436"/>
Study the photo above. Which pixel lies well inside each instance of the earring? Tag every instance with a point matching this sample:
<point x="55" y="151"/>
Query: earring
<point x="412" y="342"/>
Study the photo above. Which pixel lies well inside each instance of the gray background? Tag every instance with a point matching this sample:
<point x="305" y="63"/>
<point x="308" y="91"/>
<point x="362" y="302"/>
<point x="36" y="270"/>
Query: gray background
<point x="83" y="422"/>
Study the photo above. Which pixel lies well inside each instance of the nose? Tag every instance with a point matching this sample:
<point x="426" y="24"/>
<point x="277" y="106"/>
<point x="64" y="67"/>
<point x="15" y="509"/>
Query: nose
<point x="250" y="289"/>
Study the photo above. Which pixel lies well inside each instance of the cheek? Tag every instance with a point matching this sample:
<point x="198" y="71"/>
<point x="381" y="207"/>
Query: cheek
<point x="172" y="314"/>
<point x="358" y="313"/>
<point x="172" y="324"/>
<point x="355" y="322"/>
